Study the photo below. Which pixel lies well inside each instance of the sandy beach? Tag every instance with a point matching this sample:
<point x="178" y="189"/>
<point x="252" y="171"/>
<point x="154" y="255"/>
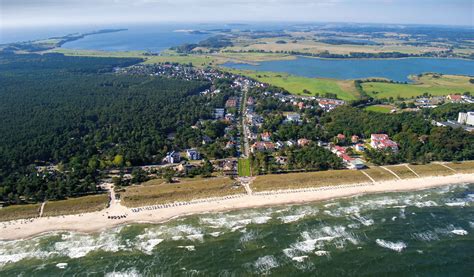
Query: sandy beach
<point x="99" y="221"/>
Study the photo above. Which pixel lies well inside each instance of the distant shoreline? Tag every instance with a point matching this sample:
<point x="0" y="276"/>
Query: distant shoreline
<point x="98" y="221"/>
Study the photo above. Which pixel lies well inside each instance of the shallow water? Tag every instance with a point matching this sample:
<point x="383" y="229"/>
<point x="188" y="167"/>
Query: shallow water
<point x="394" y="69"/>
<point x="429" y="233"/>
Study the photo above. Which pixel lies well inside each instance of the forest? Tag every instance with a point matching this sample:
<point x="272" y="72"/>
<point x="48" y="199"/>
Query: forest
<point x="73" y="112"/>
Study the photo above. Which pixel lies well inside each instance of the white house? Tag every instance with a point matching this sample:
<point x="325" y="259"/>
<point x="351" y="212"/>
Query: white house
<point x="466" y="118"/>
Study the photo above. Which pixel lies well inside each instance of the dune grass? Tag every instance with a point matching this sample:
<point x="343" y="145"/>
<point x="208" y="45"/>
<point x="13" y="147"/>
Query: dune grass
<point x="379" y="174"/>
<point x="462" y="167"/>
<point x="77" y="205"/>
<point x="431" y="170"/>
<point x="184" y="191"/>
<point x="402" y="171"/>
<point x="308" y="179"/>
<point x="19" y="212"/>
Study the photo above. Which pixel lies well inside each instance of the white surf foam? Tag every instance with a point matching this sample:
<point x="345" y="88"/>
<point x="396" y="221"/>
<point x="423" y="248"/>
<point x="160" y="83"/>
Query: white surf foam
<point x="264" y="264"/>
<point x="395" y="246"/>
<point x="459" y="232"/>
<point x="188" y="247"/>
<point x="61" y="265"/>
<point x="299" y="259"/>
<point x="133" y="272"/>
<point x="321" y="253"/>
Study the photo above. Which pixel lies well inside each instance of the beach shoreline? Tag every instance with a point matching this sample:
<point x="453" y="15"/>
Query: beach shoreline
<point x="99" y="221"/>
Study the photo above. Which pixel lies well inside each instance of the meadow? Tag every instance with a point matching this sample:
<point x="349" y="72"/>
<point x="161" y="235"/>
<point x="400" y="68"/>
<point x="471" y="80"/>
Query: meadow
<point x="380" y="108"/>
<point x="431" y="84"/>
<point x="297" y="85"/>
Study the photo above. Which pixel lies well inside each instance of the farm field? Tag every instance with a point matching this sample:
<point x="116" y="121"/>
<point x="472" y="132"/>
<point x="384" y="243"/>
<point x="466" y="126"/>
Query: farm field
<point x="309" y="45"/>
<point x="184" y="191"/>
<point x="426" y="84"/>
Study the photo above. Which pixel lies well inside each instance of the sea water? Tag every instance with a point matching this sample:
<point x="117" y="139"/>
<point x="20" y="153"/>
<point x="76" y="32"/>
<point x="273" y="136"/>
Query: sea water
<point x="424" y="233"/>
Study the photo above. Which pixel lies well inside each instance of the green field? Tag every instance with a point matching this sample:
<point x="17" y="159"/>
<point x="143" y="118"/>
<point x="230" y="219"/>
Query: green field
<point x="380" y="108"/>
<point x="198" y="60"/>
<point x="436" y="85"/>
<point x="244" y="168"/>
<point x="345" y="90"/>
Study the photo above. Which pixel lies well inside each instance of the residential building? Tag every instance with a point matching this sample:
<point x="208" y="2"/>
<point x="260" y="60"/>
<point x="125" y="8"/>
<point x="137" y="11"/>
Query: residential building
<point x="341" y="138"/>
<point x="250" y="101"/>
<point x="206" y="140"/>
<point x="261" y="146"/>
<point x="303" y="142"/>
<point x="356" y="164"/>
<point x="291" y="143"/>
<point x="281" y="160"/>
<point x="193" y="154"/>
<point x="219" y="113"/>
<point x="466" y="118"/>
<point x="360" y="147"/>
<point x="279" y="144"/>
<point x="355" y="139"/>
<point x="231" y="102"/>
<point x="293" y="117"/>
<point x="266" y="136"/>
<point x="382" y="142"/>
<point x="454" y="98"/>
<point x="172" y="157"/>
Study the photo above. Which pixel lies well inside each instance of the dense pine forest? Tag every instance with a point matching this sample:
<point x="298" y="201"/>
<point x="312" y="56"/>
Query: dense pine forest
<point x="75" y="113"/>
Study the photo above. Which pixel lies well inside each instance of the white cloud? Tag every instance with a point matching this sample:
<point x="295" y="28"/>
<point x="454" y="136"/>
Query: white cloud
<point x="47" y="12"/>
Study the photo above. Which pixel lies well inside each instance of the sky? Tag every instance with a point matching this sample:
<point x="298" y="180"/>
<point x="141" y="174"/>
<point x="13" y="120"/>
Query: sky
<point x="29" y="13"/>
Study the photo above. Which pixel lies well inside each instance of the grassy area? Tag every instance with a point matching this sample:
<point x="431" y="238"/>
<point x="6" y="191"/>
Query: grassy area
<point x="76" y="205"/>
<point x="379" y="174"/>
<point x="309" y="45"/>
<point x="98" y="53"/>
<point x="431" y="170"/>
<point x="198" y="60"/>
<point x="244" y="168"/>
<point x="462" y="167"/>
<point x="185" y="191"/>
<point x="380" y="108"/>
<point x="19" y="212"/>
<point x="296" y="85"/>
<point x="402" y="171"/>
<point x="433" y="84"/>
<point x="308" y="179"/>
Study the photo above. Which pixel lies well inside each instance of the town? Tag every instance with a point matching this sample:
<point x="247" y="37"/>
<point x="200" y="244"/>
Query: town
<point x="256" y="129"/>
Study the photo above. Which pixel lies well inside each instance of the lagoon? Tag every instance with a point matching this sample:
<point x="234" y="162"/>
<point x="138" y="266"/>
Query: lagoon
<point x="394" y="69"/>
